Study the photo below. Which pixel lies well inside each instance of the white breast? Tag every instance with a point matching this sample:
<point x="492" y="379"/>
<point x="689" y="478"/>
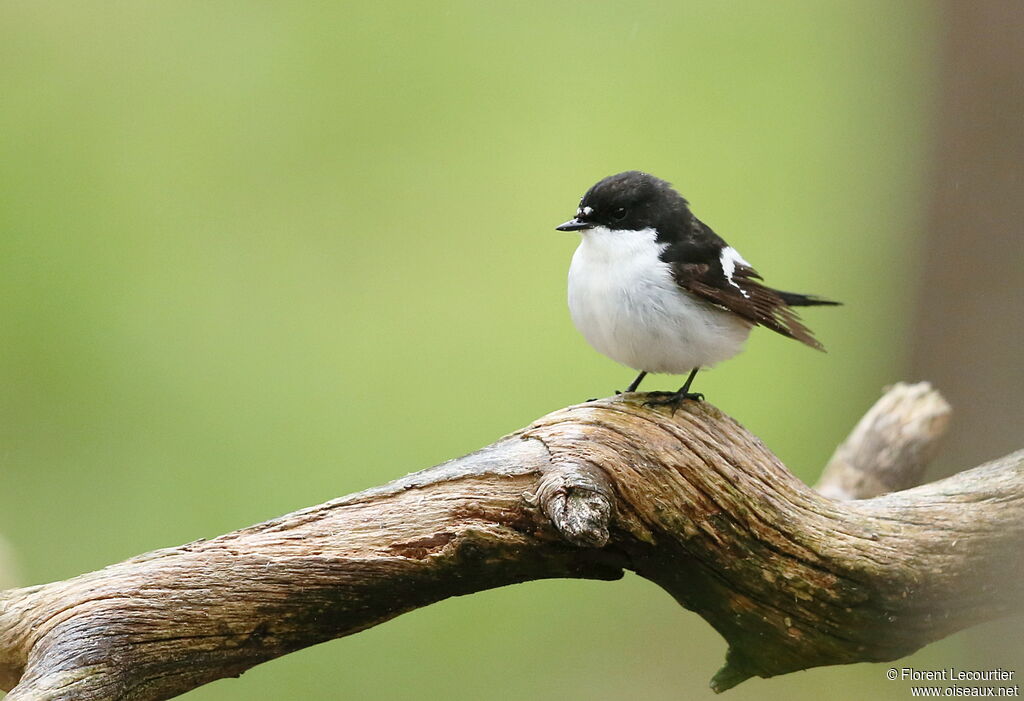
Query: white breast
<point x="625" y="302"/>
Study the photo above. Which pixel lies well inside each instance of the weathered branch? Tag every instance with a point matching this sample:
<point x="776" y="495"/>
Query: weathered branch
<point x="689" y="500"/>
<point x="890" y="447"/>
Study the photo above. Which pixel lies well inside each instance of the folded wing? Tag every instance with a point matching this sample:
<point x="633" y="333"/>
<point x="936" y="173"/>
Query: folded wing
<point x="742" y="292"/>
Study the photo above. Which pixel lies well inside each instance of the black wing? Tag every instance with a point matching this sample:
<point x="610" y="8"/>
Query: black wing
<point x="695" y="259"/>
<point x="743" y="294"/>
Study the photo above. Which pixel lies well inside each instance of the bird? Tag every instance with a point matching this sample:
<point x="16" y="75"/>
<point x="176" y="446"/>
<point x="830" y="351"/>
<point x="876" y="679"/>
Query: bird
<point x="652" y="287"/>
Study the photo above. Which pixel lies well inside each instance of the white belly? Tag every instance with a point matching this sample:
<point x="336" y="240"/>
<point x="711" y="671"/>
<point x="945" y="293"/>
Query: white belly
<point x="625" y="302"/>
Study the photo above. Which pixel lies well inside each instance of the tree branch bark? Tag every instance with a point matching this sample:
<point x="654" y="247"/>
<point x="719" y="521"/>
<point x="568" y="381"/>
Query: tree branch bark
<point x="690" y="500"/>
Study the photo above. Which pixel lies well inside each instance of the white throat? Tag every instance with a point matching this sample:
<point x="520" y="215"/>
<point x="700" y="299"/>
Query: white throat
<point x="626" y="303"/>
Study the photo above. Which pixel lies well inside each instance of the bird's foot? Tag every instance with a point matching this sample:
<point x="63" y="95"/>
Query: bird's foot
<point x="673" y="399"/>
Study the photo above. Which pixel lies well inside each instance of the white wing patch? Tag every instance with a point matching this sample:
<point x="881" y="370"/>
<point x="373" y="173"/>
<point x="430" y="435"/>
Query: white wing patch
<point x="730" y="257"/>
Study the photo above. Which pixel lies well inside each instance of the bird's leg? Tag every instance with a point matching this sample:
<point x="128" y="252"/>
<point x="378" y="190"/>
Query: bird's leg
<point x="684" y="391"/>
<point x="636" y="383"/>
<point x="675" y="398"/>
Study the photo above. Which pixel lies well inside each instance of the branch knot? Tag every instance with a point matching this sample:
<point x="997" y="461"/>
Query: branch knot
<point x="578" y="499"/>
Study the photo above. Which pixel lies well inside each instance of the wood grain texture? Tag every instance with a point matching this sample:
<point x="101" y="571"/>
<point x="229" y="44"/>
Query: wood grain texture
<point x="688" y="499"/>
<point x="890" y="447"/>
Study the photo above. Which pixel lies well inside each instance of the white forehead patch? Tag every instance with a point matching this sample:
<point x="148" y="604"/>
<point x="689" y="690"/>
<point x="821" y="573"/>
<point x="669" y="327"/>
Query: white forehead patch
<point x="730" y="257"/>
<point x="587" y="211"/>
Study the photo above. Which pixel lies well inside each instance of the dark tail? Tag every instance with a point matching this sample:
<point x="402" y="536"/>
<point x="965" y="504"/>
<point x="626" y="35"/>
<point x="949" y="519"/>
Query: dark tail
<point x="793" y="299"/>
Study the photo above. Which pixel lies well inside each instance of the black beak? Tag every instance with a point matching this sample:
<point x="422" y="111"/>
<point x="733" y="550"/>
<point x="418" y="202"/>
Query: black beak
<point x="574" y="225"/>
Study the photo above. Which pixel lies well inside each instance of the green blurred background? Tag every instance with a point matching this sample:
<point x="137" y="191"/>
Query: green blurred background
<point x="257" y="255"/>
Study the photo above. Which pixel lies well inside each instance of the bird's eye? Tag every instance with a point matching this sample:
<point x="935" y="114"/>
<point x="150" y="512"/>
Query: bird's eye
<point x="619" y="213"/>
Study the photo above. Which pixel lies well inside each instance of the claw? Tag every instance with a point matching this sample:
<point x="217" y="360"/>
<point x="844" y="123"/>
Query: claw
<point x="672" y="398"/>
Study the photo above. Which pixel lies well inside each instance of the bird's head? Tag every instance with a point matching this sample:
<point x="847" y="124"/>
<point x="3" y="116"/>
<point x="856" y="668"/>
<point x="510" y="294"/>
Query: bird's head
<point x="630" y="201"/>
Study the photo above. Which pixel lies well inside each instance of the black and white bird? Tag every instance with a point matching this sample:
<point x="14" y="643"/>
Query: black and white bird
<point x="654" y="288"/>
